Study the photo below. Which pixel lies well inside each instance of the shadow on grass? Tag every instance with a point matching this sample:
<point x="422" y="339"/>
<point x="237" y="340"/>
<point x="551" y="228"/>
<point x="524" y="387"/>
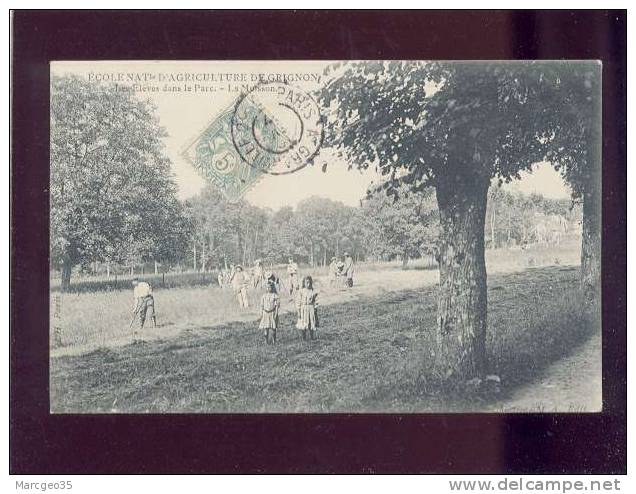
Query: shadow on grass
<point x="375" y="354"/>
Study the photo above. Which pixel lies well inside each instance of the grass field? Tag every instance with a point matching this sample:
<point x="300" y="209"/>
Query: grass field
<point x="374" y="352"/>
<point x="91" y="319"/>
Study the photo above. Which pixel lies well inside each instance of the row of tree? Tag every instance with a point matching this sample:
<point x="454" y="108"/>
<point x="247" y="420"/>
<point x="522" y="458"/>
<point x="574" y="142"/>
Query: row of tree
<point x="313" y="232"/>
<point x="518" y="219"/>
<point x="215" y="233"/>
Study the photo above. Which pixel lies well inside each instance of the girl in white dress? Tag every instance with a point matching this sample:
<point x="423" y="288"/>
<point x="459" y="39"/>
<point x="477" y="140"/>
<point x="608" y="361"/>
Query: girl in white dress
<point x="270" y="303"/>
<point x="306" y="305"/>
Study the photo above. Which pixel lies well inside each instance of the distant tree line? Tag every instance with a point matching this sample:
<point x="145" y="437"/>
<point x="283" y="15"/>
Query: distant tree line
<point x="207" y="232"/>
<point x="381" y="228"/>
<point x="516" y="219"/>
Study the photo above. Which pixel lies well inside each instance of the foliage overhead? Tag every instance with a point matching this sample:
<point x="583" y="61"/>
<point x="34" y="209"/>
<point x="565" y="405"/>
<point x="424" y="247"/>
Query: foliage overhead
<point x="422" y="122"/>
<point x="572" y="117"/>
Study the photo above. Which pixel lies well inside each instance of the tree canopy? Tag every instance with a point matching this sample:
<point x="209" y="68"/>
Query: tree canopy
<point x="571" y="115"/>
<point x="420" y="121"/>
<point x="112" y="193"/>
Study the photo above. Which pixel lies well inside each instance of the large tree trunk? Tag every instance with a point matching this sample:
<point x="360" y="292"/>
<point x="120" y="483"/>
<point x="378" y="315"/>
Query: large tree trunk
<point x="405" y="259"/>
<point x="67" y="267"/>
<point x="462" y="303"/>
<point x="591" y="245"/>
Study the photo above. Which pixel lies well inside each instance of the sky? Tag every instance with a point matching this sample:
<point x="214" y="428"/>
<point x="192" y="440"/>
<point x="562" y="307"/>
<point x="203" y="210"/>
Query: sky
<point x="542" y="180"/>
<point x="349" y="186"/>
<point x="185" y="114"/>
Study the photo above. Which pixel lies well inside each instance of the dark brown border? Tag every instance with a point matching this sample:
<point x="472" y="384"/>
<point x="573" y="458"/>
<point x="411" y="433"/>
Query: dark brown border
<point x="547" y="443"/>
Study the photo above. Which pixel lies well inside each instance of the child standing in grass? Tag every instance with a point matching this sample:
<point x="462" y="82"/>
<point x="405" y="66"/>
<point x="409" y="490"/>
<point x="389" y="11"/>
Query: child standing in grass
<point x="306" y="305"/>
<point x="270" y="303"/>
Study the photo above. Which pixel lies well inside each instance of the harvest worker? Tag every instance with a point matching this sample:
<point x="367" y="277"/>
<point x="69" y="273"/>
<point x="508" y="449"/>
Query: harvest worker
<point x="271" y="277"/>
<point x="259" y="274"/>
<point x="292" y="272"/>
<point x="221" y="277"/>
<point x="239" y="285"/>
<point x="334" y="272"/>
<point x="144" y="303"/>
<point x="348" y="269"/>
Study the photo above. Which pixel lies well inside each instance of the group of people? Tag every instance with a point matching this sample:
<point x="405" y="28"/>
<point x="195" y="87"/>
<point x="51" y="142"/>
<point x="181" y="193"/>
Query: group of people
<point x="240" y="280"/>
<point x="306" y="310"/>
<point x="341" y="271"/>
<point x="303" y="293"/>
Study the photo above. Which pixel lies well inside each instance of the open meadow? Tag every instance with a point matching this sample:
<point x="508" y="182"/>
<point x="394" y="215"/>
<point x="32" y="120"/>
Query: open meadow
<point x="375" y="350"/>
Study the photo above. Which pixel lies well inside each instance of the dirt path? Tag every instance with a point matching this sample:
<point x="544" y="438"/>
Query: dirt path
<point x="572" y="384"/>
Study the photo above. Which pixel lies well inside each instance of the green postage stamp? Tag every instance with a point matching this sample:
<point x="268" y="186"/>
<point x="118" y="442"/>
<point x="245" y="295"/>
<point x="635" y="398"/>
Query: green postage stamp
<point x="271" y="128"/>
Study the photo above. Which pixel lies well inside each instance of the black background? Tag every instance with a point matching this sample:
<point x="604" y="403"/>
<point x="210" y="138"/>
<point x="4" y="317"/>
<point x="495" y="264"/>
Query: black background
<point x="358" y="443"/>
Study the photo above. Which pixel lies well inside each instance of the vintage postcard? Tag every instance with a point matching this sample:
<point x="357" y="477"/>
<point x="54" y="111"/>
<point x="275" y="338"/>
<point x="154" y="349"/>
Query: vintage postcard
<point x="332" y="236"/>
